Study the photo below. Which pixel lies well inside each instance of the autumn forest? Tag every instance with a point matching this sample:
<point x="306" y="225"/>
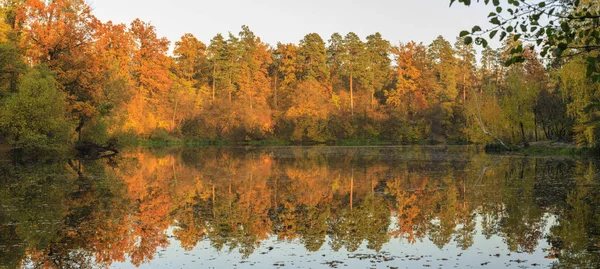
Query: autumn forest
<point x="65" y="76"/>
<point x="120" y="148"/>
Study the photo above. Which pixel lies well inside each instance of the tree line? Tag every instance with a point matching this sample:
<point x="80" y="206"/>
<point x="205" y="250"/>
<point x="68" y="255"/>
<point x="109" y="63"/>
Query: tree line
<point x="65" y="76"/>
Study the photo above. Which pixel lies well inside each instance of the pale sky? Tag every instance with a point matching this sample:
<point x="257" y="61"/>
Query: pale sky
<point x="289" y="20"/>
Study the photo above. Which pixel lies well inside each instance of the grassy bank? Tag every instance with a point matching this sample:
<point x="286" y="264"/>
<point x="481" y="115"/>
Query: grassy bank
<point x="541" y="148"/>
<point x="195" y="142"/>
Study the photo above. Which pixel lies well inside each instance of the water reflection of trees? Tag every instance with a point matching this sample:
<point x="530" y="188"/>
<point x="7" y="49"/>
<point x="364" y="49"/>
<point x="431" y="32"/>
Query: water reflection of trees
<point x="91" y="214"/>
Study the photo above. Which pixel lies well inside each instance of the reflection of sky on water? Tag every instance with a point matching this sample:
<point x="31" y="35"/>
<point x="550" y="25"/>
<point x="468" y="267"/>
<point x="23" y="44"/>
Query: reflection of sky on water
<point x="396" y="253"/>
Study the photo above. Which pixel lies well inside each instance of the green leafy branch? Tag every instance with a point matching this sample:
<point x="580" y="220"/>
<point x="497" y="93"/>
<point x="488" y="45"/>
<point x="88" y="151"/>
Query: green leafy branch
<point x="561" y="28"/>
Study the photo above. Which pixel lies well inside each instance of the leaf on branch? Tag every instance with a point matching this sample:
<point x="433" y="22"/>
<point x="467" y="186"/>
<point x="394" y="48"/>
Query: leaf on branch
<point x="468" y="40"/>
<point x="502" y="35"/>
<point x="523" y="28"/>
<point x="539" y="41"/>
<point x="517" y="37"/>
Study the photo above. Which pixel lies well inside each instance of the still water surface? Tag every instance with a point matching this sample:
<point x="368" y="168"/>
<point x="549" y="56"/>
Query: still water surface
<point x="302" y="207"/>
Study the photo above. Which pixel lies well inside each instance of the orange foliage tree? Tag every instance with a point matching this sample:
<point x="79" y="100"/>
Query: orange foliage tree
<point x="60" y="34"/>
<point x="150" y="106"/>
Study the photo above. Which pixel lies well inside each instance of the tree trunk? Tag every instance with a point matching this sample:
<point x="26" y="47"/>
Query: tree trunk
<point x="523" y="135"/>
<point x="373" y="98"/>
<point x="249" y="91"/>
<point x="351" y="96"/>
<point x="230" y="87"/>
<point x="275" y="91"/>
<point x="80" y="127"/>
<point x="535" y="127"/>
<point x="373" y="87"/>
<point x="464" y="90"/>
<point x="230" y="79"/>
<point x="174" y="113"/>
<point x="214" y="81"/>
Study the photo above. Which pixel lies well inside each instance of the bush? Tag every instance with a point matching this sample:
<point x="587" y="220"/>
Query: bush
<point x="495" y="147"/>
<point x="35" y="116"/>
<point x="159" y="135"/>
<point x="191" y="127"/>
<point x="123" y="139"/>
<point x="96" y="132"/>
<point x="407" y="134"/>
<point x="398" y="130"/>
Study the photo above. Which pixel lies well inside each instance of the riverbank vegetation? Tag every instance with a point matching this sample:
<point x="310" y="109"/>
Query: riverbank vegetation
<point x="66" y="78"/>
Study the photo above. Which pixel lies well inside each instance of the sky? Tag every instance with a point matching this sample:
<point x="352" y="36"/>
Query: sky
<point x="287" y="21"/>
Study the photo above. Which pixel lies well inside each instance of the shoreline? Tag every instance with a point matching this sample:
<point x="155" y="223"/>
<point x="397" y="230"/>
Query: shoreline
<point x="538" y="148"/>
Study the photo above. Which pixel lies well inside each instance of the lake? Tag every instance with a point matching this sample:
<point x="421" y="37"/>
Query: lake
<point x="302" y="207"/>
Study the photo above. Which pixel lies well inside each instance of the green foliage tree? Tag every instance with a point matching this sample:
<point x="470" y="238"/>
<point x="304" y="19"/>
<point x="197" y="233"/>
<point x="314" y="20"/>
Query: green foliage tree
<point x="377" y="54"/>
<point x="35" y="116"/>
<point x="582" y="96"/>
<point x="312" y="59"/>
<point x="353" y="62"/>
<point x="445" y="63"/>
<point x="466" y="61"/>
<point x="335" y="52"/>
<point x="218" y="61"/>
<point x="444" y="66"/>
<point x="254" y="84"/>
<point x="518" y="102"/>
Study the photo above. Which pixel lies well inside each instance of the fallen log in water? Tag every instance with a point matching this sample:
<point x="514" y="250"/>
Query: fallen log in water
<point x="89" y="150"/>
